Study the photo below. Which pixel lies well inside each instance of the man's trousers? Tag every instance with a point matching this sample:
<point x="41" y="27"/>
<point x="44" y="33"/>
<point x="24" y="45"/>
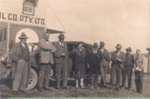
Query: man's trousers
<point x="21" y="75"/>
<point x="116" y="73"/>
<point x="61" y="72"/>
<point x="44" y="75"/>
<point x="127" y="73"/>
<point x="139" y="80"/>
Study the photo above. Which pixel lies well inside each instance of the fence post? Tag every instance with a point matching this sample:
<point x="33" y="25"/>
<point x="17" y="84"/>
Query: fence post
<point x="148" y="66"/>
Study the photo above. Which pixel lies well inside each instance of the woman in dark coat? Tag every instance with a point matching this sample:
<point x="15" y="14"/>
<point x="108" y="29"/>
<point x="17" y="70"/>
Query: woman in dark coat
<point x="80" y="53"/>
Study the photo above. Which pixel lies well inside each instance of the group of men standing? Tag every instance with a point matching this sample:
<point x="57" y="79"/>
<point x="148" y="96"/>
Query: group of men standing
<point x="99" y="60"/>
<point x="49" y="53"/>
<point x="122" y="66"/>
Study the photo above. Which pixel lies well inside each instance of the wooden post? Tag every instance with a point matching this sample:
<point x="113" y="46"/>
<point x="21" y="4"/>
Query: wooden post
<point x="148" y="66"/>
<point x="8" y="40"/>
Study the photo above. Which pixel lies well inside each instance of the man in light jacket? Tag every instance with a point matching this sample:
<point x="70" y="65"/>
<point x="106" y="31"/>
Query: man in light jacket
<point x="104" y="62"/>
<point x="139" y="71"/>
<point x="117" y="58"/>
<point x="46" y="61"/>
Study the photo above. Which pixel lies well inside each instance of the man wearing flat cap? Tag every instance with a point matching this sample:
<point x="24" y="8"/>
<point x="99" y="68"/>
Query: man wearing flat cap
<point x="61" y="66"/>
<point x="117" y="58"/>
<point x="20" y="57"/>
<point x="104" y="62"/>
<point x="128" y="66"/>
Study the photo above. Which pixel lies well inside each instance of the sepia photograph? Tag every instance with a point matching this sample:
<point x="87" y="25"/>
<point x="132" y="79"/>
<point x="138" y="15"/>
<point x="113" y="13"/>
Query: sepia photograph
<point x="74" y="49"/>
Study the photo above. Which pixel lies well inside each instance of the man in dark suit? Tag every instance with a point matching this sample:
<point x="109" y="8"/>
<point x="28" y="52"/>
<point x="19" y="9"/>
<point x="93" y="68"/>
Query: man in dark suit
<point x="61" y="57"/>
<point x="46" y="60"/>
<point x="104" y="62"/>
<point x="117" y="58"/>
<point x="127" y="70"/>
<point x="21" y="56"/>
<point x="93" y="63"/>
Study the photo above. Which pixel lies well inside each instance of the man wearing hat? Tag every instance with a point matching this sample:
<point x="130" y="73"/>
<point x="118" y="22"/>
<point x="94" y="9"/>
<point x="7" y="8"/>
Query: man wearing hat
<point x="46" y="61"/>
<point x="20" y="57"/>
<point x="128" y="66"/>
<point x="60" y="57"/>
<point x="104" y="62"/>
<point x="117" y="58"/>
<point x="93" y="62"/>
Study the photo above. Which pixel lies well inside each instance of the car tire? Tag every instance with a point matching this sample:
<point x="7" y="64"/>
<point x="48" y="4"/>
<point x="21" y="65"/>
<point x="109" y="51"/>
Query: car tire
<point x="33" y="79"/>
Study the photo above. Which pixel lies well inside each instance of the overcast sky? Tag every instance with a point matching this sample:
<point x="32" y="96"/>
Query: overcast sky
<point x="111" y="21"/>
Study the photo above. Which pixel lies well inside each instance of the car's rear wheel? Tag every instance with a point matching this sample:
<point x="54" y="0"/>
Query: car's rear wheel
<point x="33" y="79"/>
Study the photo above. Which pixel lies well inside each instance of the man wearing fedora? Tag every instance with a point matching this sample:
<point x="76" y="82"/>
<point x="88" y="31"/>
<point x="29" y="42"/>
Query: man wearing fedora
<point x="104" y="62"/>
<point x="128" y="67"/>
<point x="20" y="57"/>
<point x="60" y="57"/>
<point x="46" y="49"/>
<point x="117" y="58"/>
<point x="93" y="63"/>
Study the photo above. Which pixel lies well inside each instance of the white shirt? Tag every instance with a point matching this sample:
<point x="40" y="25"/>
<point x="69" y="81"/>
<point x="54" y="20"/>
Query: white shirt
<point x="94" y="51"/>
<point x="23" y="44"/>
<point x="102" y="49"/>
<point x="47" y="42"/>
<point x="61" y="43"/>
<point x="118" y="54"/>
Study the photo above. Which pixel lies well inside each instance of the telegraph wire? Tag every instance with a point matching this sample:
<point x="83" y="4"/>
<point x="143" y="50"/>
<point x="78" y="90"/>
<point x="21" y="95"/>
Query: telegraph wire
<point x="56" y="16"/>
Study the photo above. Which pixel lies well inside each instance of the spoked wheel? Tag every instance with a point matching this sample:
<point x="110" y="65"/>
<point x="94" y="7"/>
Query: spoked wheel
<point x="33" y="80"/>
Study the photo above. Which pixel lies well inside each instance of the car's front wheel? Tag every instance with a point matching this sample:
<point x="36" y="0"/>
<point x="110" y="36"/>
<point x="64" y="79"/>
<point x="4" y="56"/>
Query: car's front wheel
<point x="33" y="79"/>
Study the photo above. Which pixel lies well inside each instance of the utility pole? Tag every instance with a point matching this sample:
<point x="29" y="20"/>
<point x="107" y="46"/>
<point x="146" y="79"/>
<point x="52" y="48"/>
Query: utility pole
<point x="148" y="49"/>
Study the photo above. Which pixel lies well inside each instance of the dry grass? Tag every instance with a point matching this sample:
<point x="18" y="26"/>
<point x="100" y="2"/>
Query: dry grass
<point x="87" y="92"/>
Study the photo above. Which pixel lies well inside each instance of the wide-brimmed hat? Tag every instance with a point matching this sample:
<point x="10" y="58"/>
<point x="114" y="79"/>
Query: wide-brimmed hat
<point x="95" y="44"/>
<point x="102" y="43"/>
<point x="129" y="49"/>
<point x="118" y="46"/>
<point x="61" y="35"/>
<point x="23" y="36"/>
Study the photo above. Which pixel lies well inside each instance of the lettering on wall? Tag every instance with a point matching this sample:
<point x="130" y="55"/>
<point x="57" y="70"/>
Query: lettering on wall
<point x="22" y="18"/>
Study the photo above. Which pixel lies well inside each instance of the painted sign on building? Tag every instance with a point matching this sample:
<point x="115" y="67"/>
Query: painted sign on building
<point x="21" y="18"/>
<point x="29" y="12"/>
